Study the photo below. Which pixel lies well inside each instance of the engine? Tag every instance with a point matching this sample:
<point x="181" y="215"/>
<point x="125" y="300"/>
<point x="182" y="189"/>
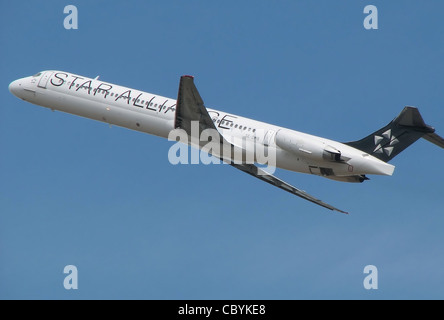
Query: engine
<point x="308" y="148"/>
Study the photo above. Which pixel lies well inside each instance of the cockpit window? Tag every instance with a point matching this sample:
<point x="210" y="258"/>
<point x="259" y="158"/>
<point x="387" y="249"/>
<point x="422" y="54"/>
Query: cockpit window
<point x="37" y="74"/>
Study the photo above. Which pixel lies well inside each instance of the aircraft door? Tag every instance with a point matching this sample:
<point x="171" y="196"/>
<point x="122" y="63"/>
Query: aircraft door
<point x="44" y="79"/>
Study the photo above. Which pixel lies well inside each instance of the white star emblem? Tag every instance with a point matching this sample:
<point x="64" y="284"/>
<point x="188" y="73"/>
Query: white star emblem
<point x="387" y="135"/>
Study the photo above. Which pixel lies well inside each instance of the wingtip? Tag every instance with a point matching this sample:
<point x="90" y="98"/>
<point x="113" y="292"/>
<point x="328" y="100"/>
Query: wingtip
<point x="338" y="210"/>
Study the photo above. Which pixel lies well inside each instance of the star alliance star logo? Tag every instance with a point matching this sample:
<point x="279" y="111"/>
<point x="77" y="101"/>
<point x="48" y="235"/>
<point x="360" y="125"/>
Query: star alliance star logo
<point x="386" y="137"/>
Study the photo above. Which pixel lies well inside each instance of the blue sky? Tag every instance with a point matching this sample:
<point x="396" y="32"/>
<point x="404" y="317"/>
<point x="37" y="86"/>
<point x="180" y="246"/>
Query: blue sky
<point x="76" y="192"/>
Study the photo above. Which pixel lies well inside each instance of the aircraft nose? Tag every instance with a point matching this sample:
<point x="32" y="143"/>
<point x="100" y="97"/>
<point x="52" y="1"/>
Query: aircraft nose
<point x="14" y="87"/>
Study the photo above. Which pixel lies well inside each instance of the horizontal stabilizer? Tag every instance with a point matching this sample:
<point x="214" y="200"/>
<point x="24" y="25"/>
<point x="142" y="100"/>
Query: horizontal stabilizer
<point x="435" y="139"/>
<point x="411" y="117"/>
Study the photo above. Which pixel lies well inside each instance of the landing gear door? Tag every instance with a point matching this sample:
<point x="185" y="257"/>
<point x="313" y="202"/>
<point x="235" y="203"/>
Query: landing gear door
<point x="44" y="79"/>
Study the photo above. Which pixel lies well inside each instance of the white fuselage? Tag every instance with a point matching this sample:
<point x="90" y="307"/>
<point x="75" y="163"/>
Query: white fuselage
<point x="153" y="114"/>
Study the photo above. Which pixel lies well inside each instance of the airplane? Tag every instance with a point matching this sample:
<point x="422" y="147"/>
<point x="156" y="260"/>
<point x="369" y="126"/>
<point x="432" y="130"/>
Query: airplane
<point x="294" y="151"/>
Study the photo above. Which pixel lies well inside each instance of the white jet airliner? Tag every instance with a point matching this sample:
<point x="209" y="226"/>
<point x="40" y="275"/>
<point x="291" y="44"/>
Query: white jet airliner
<point x="295" y="151"/>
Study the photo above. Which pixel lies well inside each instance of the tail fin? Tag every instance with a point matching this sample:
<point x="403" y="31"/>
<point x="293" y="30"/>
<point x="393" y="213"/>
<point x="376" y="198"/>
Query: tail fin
<point x="405" y="129"/>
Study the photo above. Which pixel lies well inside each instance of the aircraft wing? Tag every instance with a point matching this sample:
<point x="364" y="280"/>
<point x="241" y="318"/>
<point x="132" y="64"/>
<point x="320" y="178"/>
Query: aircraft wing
<point x="264" y="176"/>
<point x="190" y="107"/>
